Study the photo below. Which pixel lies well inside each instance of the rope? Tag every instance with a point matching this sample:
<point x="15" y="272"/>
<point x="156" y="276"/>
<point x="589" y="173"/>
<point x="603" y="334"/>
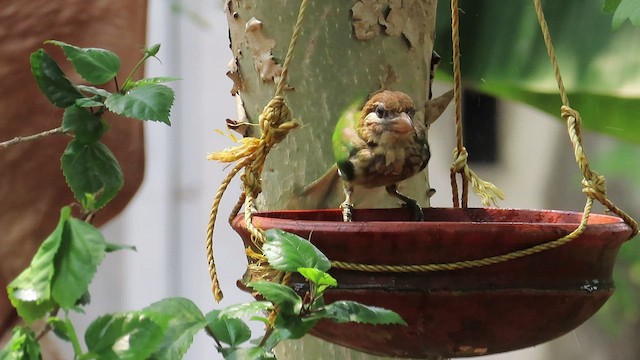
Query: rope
<point x="593" y="184"/>
<point x="292" y="44"/>
<point x="275" y="123"/>
<point x="468" y="264"/>
<point x="488" y="192"/>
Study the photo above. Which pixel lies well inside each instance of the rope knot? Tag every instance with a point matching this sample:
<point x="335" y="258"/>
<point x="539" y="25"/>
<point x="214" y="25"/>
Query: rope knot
<point x="459" y="160"/>
<point x="595" y="187"/>
<point x="252" y="182"/>
<point x="567" y="111"/>
<point x="276" y="121"/>
<point x="488" y="193"/>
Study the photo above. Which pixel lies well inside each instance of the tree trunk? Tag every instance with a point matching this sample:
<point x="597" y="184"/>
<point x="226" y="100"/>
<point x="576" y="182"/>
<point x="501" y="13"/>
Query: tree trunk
<point x="346" y="50"/>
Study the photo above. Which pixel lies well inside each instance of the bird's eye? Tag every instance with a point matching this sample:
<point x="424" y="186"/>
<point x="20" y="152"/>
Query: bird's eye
<point x="380" y="111"/>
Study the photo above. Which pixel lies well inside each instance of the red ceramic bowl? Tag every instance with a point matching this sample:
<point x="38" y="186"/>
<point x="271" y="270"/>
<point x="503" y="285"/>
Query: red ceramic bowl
<point x="468" y="312"/>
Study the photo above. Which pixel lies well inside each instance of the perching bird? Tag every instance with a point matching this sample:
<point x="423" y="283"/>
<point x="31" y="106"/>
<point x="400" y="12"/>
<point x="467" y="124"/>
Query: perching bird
<point x="380" y="145"/>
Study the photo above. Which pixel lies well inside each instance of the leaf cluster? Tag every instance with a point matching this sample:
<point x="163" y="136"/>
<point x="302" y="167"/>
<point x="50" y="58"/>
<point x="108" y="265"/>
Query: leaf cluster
<point x="60" y="273"/>
<point x="57" y="280"/>
<point x="90" y="168"/>
<point x="295" y="314"/>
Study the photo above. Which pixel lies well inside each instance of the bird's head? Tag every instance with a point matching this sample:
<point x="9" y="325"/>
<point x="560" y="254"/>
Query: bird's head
<point x="387" y="112"/>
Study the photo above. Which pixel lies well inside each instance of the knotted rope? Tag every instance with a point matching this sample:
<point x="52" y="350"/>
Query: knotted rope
<point x="275" y="123"/>
<point x="593" y="184"/>
<point x="488" y="192"/>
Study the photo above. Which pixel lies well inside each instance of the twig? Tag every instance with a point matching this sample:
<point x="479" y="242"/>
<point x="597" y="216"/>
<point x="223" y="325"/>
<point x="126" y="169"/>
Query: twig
<point x="21" y="139"/>
<point x="44" y="332"/>
<point x="48" y="327"/>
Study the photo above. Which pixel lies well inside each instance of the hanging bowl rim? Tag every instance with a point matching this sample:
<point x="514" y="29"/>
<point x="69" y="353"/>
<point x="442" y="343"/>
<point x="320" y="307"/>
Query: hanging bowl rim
<point x="605" y="220"/>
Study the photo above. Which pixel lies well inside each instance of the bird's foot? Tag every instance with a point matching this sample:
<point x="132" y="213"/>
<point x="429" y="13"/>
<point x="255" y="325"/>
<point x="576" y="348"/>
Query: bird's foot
<point x="347" y="211"/>
<point x="416" y="210"/>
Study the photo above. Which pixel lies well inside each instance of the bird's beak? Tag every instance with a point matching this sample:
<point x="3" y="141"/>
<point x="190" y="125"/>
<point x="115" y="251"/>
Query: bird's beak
<point x="401" y="124"/>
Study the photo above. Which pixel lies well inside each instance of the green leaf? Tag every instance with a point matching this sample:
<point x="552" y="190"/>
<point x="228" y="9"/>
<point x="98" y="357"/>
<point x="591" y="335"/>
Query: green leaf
<point x="253" y="353"/>
<point x="87" y="127"/>
<point x="130" y="336"/>
<point x="97" y="66"/>
<point x="626" y="9"/>
<point x="84" y="300"/>
<point x="318" y="277"/>
<point x="289" y="252"/>
<point x="504" y="55"/>
<point x="22" y="346"/>
<point x="30" y="292"/>
<point x="153" y="80"/>
<point x="111" y="247"/>
<point x="246" y="309"/>
<point x="59" y="328"/>
<point x="91" y="169"/>
<point x="351" y="311"/>
<point x="291" y="326"/>
<point x="81" y="251"/>
<point x="94" y="90"/>
<point x="610" y="6"/>
<point x="281" y="295"/>
<point x="52" y="81"/>
<point x="145" y="102"/>
<point x="262" y="319"/>
<point x="89" y="102"/>
<point x="152" y="50"/>
<point x="181" y="319"/>
<point x="227" y="330"/>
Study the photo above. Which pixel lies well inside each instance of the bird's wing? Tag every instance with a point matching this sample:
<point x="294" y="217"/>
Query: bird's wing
<point x="345" y="136"/>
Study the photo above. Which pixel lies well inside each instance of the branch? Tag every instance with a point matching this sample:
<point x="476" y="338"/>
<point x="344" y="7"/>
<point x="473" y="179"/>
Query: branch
<point x="21" y="139"/>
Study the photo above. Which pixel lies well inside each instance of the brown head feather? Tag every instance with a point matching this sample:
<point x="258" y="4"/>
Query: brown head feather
<point x="396" y="101"/>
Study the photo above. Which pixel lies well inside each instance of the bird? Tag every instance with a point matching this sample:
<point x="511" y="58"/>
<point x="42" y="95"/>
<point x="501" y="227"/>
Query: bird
<point x="380" y="145"/>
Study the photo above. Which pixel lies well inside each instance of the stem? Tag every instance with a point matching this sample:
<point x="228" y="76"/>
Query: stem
<point x="125" y="85"/>
<point x="73" y="337"/>
<point x="267" y="335"/>
<point x="43" y="332"/>
<point x="218" y="344"/>
<point x="48" y="327"/>
<point x="21" y="139"/>
<point x="88" y="217"/>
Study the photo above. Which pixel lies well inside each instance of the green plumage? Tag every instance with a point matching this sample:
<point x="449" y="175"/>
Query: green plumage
<point x="342" y="139"/>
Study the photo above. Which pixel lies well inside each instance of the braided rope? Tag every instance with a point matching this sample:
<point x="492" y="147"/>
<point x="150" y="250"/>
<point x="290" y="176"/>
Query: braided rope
<point x="468" y="264"/>
<point x="488" y="192"/>
<point x="457" y="103"/>
<point x="275" y="123"/>
<point x="593" y="184"/>
<point x="215" y="287"/>
<point x="292" y="44"/>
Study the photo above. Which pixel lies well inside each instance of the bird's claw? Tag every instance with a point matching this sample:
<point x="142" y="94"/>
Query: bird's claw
<point x="347" y="211"/>
<point x="416" y="210"/>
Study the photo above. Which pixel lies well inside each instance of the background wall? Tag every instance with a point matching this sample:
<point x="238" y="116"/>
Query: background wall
<point x="167" y="219"/>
